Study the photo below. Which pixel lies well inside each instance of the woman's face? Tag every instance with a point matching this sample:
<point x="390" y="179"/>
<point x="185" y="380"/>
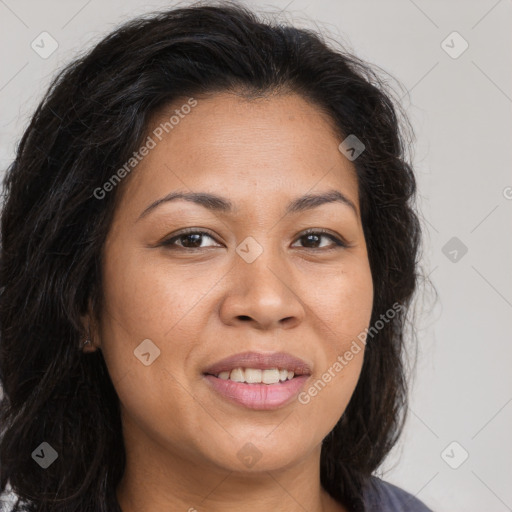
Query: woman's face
<point x="253" y="282"/>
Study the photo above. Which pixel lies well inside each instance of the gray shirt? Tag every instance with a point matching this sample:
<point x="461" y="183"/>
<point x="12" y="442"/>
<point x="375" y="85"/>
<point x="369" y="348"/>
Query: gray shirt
<point x="382" y="496"/>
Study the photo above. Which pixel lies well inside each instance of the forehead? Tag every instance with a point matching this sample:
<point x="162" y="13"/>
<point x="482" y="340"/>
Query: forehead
<point x="258" y="149"/>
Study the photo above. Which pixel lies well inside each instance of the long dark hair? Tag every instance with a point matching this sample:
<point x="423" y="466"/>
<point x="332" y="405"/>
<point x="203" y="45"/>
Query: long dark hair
<point x="93" y="117"/>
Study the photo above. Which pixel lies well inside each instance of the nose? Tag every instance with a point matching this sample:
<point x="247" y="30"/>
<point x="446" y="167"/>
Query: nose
<point x="262" y="294"/>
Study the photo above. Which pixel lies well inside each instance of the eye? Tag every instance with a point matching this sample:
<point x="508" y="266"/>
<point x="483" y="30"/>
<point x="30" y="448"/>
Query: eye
<point x="192" y="239"/>
<point x="189" y="239"/>
<point x="314" y="237"/>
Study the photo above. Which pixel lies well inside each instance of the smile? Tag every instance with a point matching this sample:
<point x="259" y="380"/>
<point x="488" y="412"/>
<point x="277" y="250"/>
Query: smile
<point x="257" y="380"/>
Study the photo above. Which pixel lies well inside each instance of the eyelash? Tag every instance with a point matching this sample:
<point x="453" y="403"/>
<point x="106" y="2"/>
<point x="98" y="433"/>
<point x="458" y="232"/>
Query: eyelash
<point x="339" y="243"/>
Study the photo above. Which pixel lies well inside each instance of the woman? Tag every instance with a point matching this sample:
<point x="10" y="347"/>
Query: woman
<point x="209" y="248"/>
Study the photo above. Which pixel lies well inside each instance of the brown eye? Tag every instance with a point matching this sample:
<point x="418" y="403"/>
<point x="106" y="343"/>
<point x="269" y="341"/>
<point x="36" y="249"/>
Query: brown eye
<point x="188" y="240"/>
<point x="313" y="240"/>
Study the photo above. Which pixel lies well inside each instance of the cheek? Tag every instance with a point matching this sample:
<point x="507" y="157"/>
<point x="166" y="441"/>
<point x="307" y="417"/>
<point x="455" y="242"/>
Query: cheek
<point x="145" y="297"/>
<point x="150" y="309"/>
<point x="142" y="312"/>
<point x="341" y="301"/>
<point x="343" y="309"/>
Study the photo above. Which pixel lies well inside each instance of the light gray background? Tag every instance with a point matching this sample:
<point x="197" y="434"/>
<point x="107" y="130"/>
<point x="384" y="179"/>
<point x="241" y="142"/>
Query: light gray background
<point x="461" y="112"/>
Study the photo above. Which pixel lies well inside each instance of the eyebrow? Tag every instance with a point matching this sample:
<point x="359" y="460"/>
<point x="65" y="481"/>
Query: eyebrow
<point x="221" y="204"/>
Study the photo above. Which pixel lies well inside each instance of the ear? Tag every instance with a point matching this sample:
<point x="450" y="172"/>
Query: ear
<point x="89" y="331"/>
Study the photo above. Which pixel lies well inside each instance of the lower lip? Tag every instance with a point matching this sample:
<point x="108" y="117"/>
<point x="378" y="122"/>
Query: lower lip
<point x="258" y="396"/>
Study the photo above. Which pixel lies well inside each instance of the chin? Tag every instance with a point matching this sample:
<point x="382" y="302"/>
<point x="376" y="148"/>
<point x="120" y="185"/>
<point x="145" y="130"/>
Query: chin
<point x="259" y="453"/>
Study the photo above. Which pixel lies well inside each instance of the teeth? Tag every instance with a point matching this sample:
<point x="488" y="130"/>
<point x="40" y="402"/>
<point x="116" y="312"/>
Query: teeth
<point x="270" y="376"/>
<point x="237" y="375"/>
<point x="252" y="376"/>
<point x="256" y="376"/>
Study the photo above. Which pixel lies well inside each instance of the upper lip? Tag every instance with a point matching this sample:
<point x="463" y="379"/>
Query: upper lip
<point x="262" y="361"/>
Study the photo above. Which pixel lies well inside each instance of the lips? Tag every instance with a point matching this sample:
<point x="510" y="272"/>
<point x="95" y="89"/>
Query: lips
<point x="252" y="381"/>
<point x="261" y="361"/>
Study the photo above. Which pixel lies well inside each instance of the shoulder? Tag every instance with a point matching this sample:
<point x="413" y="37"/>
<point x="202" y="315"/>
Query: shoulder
<point x="380" y="496"/>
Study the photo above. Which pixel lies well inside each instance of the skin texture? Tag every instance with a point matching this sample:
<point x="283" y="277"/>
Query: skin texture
<point x="201" y="305"/>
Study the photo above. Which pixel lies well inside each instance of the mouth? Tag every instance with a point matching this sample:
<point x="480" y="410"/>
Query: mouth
<point x="258" y="381"/>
